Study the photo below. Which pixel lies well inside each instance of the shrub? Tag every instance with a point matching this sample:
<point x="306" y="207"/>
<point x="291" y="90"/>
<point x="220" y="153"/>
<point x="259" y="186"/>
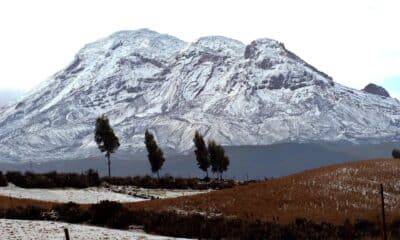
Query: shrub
<point x="71" y="212"/>
<point x="93" y="178"/>
<point x="54" y="179"/>
<point x="35" y="180"/>
<point x="102" y="212"/>
<point x="395" y="226"/>
<point x="396" y="153"/>
<point x="75" y="180"/>
<point x="121" y="220"/>
<point x="27" y="213"/>
<point x="3" y="180"/>
<point x="364" y="228"/>
<point x="169" y="182"/>
<point x="17" y="178"/>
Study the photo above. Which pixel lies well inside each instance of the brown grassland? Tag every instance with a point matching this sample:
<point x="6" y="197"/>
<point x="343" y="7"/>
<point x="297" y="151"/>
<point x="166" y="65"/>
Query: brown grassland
<point x="10" y="202"/>
<point x="331" y="194"/>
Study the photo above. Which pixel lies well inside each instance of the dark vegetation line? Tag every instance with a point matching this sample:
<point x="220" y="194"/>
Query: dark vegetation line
<point x="169" y="223"/>
<point x="91" y="179"/>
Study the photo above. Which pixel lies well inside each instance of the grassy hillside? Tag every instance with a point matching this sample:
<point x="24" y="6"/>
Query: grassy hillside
<point x="332" y="194"/>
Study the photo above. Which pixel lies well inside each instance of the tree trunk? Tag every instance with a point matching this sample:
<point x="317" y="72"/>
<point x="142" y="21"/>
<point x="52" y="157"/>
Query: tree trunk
<point x="158" y="174"/>
<point x="109" y="165"/>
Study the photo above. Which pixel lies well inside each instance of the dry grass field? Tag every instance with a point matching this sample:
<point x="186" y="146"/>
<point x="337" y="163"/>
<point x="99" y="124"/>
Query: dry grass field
<point x="10" y="202"/>
<point x="333" y="194"/>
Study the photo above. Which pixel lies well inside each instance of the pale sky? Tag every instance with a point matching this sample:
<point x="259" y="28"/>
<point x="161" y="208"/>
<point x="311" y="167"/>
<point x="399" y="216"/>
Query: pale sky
<point x="356" y="42"/>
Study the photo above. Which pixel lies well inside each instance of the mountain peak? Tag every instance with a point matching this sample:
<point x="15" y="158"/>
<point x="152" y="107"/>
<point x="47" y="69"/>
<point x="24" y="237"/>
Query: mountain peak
<point x="267" y="43"/>
<point x="145" y="42"/>
<point x="263" y="46"/>
<point x="220" y="44"/>
<point x="141" y="34"/>
<point x="377" y="90"/>
<point x="140" y="31"/>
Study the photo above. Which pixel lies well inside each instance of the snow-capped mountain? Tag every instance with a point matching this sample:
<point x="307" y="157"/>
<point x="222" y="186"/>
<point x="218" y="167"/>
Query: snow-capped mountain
<point x="239" y="95"/>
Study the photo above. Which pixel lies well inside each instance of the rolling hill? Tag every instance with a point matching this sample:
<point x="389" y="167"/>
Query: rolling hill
<point x="333" y="194"/>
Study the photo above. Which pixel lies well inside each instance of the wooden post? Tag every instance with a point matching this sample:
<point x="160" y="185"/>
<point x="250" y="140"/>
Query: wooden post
<point x="66" y="233"/>
<point x="383" y="214"/>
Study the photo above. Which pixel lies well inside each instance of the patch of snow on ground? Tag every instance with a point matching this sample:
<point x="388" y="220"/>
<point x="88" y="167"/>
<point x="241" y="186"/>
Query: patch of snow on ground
<point x="33" y="230"/>
<point x="80" y="196"/>
<point x="155" y="193"/>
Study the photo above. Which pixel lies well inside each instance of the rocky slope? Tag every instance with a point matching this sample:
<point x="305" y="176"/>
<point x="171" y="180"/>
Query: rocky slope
<point x="240" y="95"/>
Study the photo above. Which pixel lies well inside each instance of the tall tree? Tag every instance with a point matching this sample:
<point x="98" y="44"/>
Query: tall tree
<point x="155" y="154"/>
<point x="396" y="153"/>
<point x="105" y="138"/>
<point x="203" y="161"/>
<point x="219" y="161"/>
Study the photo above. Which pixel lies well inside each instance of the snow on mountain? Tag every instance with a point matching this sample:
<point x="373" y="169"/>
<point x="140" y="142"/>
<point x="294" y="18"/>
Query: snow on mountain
<point x="239" y="95"/>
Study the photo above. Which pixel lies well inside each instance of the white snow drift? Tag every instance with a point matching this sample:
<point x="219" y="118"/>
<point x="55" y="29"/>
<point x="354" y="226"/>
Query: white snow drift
<point x="35" y="230"/>
<point x="82" y="196"/>
<point x="95" y="194"/>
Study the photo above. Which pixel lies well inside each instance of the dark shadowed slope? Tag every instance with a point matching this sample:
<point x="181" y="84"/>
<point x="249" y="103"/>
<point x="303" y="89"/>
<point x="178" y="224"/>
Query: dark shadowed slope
<point x="253" y="162"/>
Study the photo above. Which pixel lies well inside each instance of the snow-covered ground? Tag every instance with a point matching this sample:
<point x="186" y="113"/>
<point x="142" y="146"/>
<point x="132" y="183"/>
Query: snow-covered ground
<point x="36" y="230"/>
<point x="94" y="194"/>
<point x="87" y="195"/>
<point x="154" y="193"/>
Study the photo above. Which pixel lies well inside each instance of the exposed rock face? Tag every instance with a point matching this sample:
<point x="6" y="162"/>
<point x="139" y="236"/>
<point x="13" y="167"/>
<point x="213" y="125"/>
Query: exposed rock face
<point x="239" y="95"/>
<point x="377" y="90"/>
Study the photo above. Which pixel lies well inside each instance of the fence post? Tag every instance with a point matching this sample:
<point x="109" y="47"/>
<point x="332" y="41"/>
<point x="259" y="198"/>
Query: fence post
<point x="66" y="233"/>
<point x="383" y="214"/>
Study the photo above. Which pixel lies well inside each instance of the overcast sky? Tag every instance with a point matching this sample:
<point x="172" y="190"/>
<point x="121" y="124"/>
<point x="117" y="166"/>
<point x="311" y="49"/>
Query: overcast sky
<point x="356" y="42"/>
